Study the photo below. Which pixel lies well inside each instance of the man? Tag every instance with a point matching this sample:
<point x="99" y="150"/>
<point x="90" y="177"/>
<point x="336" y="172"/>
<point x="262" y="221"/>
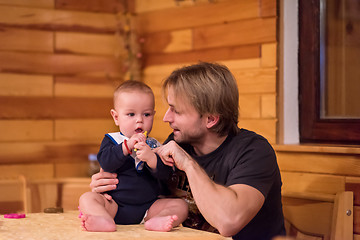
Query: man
<point x="232" y="173"/>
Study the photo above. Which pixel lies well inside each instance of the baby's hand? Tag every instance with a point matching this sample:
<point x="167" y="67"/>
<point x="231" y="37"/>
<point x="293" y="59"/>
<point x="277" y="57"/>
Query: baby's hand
<point x="145" y="154"/>
<point x="136" y="138"/>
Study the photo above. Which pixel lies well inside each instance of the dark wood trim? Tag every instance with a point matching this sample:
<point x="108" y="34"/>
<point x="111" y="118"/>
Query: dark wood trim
<point x="312" y="128"/>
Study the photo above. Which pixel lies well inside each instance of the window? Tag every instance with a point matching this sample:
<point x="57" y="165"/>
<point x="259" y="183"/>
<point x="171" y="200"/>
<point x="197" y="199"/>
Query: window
<point x="329" y="71"/>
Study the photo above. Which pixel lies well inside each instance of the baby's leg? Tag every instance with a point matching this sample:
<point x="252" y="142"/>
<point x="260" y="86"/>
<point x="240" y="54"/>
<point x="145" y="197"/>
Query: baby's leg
<point x="97" y="213"/>
<point x="165" y="214"/>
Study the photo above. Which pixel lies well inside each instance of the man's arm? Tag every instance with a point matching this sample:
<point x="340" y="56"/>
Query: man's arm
<point x="228" y="209"/>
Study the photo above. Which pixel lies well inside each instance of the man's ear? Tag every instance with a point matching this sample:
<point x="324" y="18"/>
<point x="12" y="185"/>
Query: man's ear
<point x="212" y="120"/>
<point x="115" y="116"/>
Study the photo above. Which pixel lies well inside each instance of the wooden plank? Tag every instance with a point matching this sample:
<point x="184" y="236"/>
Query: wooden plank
<point x="29" y="3"/>
<point x="235" y="65"/>
<point x="342" y="227"/>
<point x="26" y="40"/>
<point x="320" y="163"/>
<point x="268" y="8"/>
<point x="25" y="85"/>
<point x="87" y="80"/>
<point x="49" y="108"/>
<point x="109" y="6"/>
<point x="264" y="127"/>
<point x="268" y="55"/>
<point x="29" y="153"/>
<point x="261" y="80"/>
<point x="249" y="106"/>
<point x="30" y="171"/>
<point x="161" y="71"/>
<point x="48" y="19"/>
<point x="268" y="106"/>
<point x="84" y="90"/>
<point x="345" y="150"/>
<point x="87" y="43"/>
<point x="62" y="64"/>
<point x="250" y="31"/>
<point x="198" y="15"/>
<point x="142" y="6"/>
<point x="167" y="42"/>
<point x="72" y="169"/>
<point x="208" y="55"/>
<point x="312" y="183"/>
<point x="26" y="130"/>
<point x="78" y="129"/>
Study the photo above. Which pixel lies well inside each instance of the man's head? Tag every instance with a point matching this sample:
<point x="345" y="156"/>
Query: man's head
<point x="210" y="89"/>
<point x="133" y="108"/>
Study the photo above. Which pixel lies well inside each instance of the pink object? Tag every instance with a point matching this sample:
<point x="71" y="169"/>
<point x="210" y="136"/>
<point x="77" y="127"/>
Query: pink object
<point x="15" y="215"/>
<point x="80" y="213"/>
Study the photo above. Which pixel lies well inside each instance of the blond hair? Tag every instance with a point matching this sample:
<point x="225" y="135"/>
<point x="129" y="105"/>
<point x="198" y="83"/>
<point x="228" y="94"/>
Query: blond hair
<point x="211" y="89"/>
<point x="133" y="86"/>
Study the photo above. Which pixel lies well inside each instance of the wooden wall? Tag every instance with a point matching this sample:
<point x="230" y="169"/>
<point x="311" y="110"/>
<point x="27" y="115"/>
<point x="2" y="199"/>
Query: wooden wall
<point x="239" y="34"/>
<point x="60" y="59"/>
<point x="59" y="62"/>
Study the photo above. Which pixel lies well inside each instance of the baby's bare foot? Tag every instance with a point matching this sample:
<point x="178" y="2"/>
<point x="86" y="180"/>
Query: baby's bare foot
<point x="162" y="224"/>
<point x="97" y="223"/>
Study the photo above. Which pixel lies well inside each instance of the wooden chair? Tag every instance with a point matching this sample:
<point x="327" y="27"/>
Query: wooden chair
<point x="318" y="216"/>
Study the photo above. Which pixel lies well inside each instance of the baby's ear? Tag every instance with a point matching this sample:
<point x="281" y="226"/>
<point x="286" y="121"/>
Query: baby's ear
<point x="115" y="116"/>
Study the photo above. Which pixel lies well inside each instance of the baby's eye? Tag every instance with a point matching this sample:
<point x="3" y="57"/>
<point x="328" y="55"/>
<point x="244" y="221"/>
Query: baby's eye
<point x="131" y="114"/>
<point x="147" y="114"/>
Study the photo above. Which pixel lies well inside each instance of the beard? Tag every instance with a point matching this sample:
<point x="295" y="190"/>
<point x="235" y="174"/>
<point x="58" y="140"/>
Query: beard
<point x="187" y="137"/>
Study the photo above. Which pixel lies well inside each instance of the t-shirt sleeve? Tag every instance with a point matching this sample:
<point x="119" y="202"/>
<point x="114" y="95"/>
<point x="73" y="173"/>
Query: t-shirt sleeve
<point x="255" y="166"/>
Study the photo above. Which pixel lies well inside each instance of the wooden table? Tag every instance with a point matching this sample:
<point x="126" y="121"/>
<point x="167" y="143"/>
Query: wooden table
<point x="66" y="225"/>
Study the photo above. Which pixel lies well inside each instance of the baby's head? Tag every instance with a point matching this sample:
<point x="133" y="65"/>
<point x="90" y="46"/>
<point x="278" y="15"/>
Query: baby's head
<point x="133" y="111"/>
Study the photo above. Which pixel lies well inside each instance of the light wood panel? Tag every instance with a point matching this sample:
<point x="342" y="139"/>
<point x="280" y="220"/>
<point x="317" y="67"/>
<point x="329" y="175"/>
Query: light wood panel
<point x="59" y="64"/>
<point x="320" y="163"/>
<point x="49" y="108"/>
<point x="262" y="80"/>
<point x="90" y="43"/>
<point x="209" y="55"/>
<point x="110" y="6"/>
<point x="26" y="130"/>
<point x="258" y="30"/>
<point x="197" y="15"/>
<point x="29" y="171"/>
<point x="46" y="152"/>
<point x="78" y="129"/>
<point x="61" y="19"/>
<point x="29" y="3"/>
<point x="264" y="127"/>
<point x="25" y="85"/>
<point x="26" y="40"/>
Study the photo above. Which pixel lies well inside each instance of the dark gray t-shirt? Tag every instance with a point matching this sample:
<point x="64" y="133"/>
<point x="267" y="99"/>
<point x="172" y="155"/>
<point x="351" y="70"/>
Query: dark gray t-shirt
<point x="247" y="158"/>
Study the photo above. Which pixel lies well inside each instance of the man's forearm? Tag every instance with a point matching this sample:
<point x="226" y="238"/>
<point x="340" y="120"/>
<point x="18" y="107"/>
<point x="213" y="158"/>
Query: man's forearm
<point x="221" y="206"/>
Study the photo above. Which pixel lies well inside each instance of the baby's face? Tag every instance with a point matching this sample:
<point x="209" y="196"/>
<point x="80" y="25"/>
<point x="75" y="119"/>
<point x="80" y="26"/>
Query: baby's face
<point x="135" y="112"/>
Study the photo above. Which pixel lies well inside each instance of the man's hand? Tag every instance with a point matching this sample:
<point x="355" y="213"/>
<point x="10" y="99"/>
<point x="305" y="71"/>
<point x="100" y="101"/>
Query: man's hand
<point x="103" y="182"/>
<point x="172" y="154"/>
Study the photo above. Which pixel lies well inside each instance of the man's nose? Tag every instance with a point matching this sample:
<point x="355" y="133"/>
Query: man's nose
<point x="167" y="117"/>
